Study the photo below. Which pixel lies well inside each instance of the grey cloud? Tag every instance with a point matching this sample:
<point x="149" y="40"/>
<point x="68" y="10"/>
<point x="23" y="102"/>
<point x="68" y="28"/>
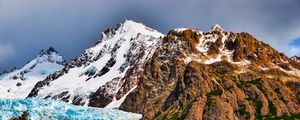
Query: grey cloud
<point x="7" y="50"/>
<point x="73" y="25"/>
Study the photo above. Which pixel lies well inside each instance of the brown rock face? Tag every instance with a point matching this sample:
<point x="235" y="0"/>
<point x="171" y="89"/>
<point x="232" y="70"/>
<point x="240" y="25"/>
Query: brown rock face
<point x="24" y="116"/>
<point x="245" y="46"/>
<point x="213" y="49"/>
<point x="172" y="87"/>
<point x="295" y="62"/>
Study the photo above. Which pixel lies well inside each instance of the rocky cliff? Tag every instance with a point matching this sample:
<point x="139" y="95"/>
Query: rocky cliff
<point x="104" y="74"/>
<point x="216" y="75"/>
<point x="186" y="74"/>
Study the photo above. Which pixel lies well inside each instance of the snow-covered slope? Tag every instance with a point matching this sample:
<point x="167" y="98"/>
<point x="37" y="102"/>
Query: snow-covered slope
<point x="3" y="75"/>
<point x="19" y="83"/>
<point x="237" y="48"/>
<point x="295" y="58"/>
<point x="204" y="44"/>
<point x="98" y="75"/>
<point x="40" y="109"/>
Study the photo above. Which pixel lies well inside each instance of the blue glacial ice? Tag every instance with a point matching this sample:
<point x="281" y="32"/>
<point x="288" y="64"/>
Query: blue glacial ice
<point x="40" y="109"/>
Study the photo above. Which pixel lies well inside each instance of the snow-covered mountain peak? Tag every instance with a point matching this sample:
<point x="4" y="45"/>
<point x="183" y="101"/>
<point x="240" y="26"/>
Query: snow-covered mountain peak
<point x="18" y="83"/>
<point x="49" y="55"/>
<point x="128" y="29"/>
<point x="108" y="33"/>
<point x="45" y="63"/>
<point x="217" y="27"/>
<point x="49" y="51"/>
<point x="132" y="26"/>
<point x="102" y="69"/>
<point x="126" y="32"/>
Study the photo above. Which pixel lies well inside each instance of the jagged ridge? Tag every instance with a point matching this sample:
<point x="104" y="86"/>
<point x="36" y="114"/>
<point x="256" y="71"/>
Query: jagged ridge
<point x="18" y="83"/>
<point x="216" y="75"/>
<point x="187" y="74"/>
<point x="103" y="74"/>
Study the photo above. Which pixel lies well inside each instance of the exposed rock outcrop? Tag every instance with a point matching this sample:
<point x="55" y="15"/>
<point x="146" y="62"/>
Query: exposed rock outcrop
<point x="253" y="81"/>
<point x="24" y="116"/>
<point x="187" y="74"/>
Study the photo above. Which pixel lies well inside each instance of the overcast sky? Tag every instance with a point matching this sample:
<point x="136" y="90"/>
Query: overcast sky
<point x="70" y="26"/>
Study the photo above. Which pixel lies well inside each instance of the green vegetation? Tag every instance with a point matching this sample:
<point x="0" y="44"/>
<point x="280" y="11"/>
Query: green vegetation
<point x="180" y="116"/>
<point x="273" y="111"/>
<point x="258" y="105"/>
<point x="186" y="111"/>
<point x="257" y="82"/>
<point x="272" y="108"/>
<point x="222" y="77"/>
<point x="284" y="117"/>
<point x="242" y="111"/>
<point x="157" y="114"/>
<point x="217" y="92"/>
<point x="175" y="116"/>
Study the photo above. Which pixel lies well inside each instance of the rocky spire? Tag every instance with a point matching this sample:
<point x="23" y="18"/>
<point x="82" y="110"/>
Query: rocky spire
<point x="49" y="51"/>
<point x="295" y="58"/>
<point x="50" y="55"/>
<point x="217" y="27"/>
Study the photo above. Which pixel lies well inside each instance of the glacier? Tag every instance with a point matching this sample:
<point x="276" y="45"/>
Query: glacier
<point x="53" y="109"/>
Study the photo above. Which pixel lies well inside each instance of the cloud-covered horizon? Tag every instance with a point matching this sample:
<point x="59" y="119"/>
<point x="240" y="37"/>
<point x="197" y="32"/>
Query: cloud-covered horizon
<point x="294" y="47"/>
<point x="7" y="50"/>
<point x="71" y="26"/>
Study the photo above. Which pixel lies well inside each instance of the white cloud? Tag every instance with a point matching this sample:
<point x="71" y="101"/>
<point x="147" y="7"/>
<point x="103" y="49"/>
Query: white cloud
<point x="294" y="50"/>
<point x="6" y="51"/>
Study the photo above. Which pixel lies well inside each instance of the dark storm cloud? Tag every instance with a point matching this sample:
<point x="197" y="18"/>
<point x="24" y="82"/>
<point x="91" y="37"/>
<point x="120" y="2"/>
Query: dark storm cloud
<point x="71" y="26"/>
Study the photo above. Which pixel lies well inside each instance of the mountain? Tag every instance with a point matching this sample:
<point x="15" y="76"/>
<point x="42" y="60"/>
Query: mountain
<point x="295" y="61"/>
<point x="186" y="74"/>
<point x="39" y="109"/>
<point x="105" y="73"/>
<point x="19" y="82"/>
<point x="216" y="75"/>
